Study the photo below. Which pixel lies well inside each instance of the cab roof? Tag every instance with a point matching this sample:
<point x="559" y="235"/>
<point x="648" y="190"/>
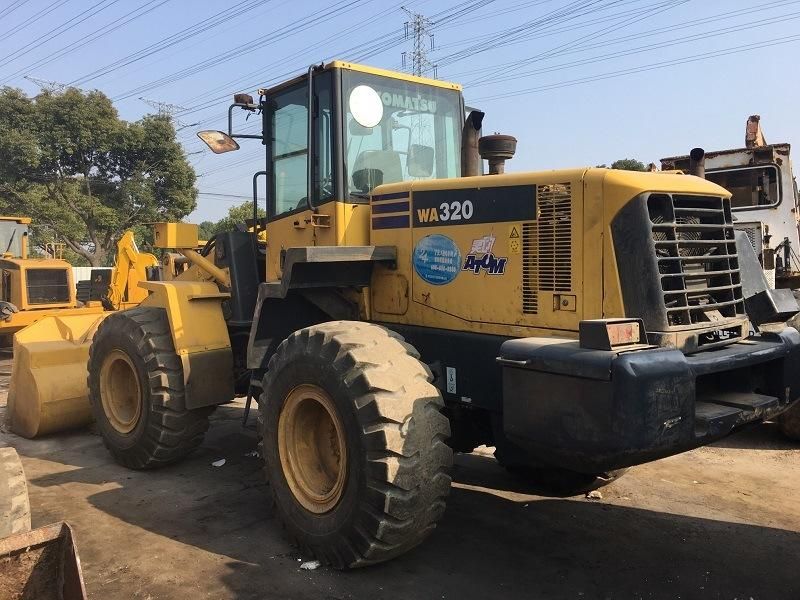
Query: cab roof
<point x="349" y="66"/>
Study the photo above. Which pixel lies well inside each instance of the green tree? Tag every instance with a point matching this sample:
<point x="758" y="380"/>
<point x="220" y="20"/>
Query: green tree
<point x="206" y="229"/>
<point x="629" y="164"/>
<point x="83" y="174"/>
<point x="237" y="215"/>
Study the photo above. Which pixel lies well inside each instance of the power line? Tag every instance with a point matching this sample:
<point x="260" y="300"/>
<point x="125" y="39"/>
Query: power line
<point x="33" y="18"/>
<point x="358" y="53"/>
<point x="645" y="68"/>
<point x="701" y="36"/>
<point x="243" y="49"/>
<point x="12" y="7"/>
<point x="582" y="40"/>
<point x="117" y="23"/>
<point x="691" y="23"/>
<point x="57" y="31"/>
<point x="187" y="33"/>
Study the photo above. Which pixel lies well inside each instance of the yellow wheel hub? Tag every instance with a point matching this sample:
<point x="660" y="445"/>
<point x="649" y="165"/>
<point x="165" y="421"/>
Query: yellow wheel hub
<point x="120" y="392"/>
<point x="311" y="447"/>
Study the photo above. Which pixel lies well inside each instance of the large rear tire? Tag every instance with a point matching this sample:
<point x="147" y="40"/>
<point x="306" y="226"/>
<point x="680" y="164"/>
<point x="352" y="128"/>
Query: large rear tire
<point x="789" y="422"/>
<point x="136" y="391"/>
<point x="15" y="508"/>
<point x="354" y="443"/>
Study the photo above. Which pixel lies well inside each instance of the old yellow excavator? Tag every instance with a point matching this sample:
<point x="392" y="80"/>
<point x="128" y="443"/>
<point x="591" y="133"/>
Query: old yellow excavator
<point x="405" y="305"/>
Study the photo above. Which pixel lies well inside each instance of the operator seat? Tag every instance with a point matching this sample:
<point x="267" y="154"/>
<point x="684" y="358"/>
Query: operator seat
<point x="375" y="167"/>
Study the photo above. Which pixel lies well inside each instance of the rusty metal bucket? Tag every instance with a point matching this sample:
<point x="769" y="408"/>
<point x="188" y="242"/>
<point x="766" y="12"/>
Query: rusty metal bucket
<point x="42" y="564"/>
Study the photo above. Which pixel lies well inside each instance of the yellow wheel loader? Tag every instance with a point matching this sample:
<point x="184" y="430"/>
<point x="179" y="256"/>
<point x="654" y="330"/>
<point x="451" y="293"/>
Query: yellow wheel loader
<point x="404" y="305"/>
<point x="32" y="288"/>
<point x="51" y="339"/>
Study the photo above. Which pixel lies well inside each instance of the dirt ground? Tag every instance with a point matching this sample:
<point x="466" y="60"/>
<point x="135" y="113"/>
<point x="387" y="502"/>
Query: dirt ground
<point x="720" y="522"/>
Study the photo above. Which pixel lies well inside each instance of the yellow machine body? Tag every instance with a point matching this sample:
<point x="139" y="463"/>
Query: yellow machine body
<point x="551" y="271"/>
<point x="38" y="288"/>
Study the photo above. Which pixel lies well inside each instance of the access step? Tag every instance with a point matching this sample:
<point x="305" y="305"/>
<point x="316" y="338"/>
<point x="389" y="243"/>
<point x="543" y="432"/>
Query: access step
<point x="717" y="413"/>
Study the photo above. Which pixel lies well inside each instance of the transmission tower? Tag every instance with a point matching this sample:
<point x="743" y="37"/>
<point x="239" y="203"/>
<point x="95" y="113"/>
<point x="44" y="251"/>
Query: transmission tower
<point x="418" y="29"/>
<point x="47" y="86"/>
<point x="165" y="109"/>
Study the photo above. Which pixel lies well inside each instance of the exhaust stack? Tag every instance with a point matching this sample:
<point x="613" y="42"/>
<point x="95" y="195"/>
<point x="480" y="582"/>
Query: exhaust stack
<point x="697" y="162"/>
<point x="470" y="134"/>
<point x="497" y="149"/>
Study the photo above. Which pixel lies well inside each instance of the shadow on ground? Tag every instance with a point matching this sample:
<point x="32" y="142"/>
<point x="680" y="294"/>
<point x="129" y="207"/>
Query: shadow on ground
<point x="491" y="544"/>
<point x="762" y="436"/>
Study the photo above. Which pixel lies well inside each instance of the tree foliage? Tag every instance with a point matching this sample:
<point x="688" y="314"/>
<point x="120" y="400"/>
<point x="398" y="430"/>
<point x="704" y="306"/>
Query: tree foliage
<point x="627" y="164"/>
<point x="237" y="216"/>
<point x="83" y="174"/>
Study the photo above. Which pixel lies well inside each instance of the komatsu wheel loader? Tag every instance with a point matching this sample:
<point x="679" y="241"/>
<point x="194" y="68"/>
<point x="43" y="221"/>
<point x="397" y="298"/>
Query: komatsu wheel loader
<point x="404" y="306"/>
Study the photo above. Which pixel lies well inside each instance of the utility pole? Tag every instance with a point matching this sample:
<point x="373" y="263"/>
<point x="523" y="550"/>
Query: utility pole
<point x="418" y="28"/>
<point x="165" y="109"/>
<point x="47" y="86"/>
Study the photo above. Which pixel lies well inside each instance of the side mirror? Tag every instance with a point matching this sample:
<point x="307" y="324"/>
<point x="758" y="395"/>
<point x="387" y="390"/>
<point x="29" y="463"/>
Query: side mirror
<point x="358" y="130"/>
<point x="218" y="141"/>
<point x="420" y="160"/>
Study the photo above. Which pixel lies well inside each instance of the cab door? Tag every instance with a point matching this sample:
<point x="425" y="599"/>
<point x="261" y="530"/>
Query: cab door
<point x="293" y="221"/>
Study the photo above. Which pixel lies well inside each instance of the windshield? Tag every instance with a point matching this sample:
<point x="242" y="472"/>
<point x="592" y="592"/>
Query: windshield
<point x="398" y="131"/>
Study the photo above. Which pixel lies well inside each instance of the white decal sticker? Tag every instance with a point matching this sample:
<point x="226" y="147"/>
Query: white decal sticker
<point x="482" y="245"/>
<point x="451" y="380"/>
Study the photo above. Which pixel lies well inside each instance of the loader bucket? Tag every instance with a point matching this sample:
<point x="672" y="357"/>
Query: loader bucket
<point x="42" y="564"/>
<point x="48" y="390"/>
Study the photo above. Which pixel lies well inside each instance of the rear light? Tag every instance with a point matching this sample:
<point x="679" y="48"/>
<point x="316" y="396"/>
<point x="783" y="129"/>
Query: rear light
<point x="611" y="334"/>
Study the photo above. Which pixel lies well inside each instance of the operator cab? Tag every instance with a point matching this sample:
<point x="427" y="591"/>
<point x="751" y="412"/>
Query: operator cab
<point x="368" y="127"/>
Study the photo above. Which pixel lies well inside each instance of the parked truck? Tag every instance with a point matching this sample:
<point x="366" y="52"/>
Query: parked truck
<point x="764" y="199"/>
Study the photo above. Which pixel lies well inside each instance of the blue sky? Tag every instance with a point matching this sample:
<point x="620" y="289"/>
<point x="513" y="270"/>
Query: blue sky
<point x="577" y="82"/>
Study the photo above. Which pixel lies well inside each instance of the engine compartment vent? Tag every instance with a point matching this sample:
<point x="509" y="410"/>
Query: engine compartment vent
<point x="554" y="221"/>
<point x="530" y="269"/>
<point x="547" y="246"/>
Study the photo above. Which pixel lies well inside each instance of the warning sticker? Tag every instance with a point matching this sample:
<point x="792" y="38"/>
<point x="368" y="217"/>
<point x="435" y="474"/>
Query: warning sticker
<point x="514" y="241"/>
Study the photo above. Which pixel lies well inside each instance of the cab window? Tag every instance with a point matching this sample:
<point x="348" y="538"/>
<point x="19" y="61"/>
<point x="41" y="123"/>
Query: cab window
<point x="289" y="147"/>
<point x="398" y="130"/>
<point x="751" y="187"/>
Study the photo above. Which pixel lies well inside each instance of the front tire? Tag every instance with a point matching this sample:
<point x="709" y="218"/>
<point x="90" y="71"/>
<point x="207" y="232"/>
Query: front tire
<point x="136" y="391"/>
<point x="354" y="443"/>
<point x="789" y="422"/>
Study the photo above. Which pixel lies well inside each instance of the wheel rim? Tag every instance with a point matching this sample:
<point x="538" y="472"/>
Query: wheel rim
<point x="120" y="392"/>
<point x="311" y="447"/>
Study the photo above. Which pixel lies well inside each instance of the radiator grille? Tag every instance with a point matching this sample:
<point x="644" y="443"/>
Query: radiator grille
<point x="530" y="269"/>
<point x="554" y="221"/>
<point x="696" y="255"/>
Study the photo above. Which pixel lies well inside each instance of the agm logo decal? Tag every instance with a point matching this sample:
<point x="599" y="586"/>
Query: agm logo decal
<point x="480" y="257"/>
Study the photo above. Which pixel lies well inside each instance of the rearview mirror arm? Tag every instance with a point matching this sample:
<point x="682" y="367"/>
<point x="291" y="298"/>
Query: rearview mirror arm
<point x="248" y="107"/>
